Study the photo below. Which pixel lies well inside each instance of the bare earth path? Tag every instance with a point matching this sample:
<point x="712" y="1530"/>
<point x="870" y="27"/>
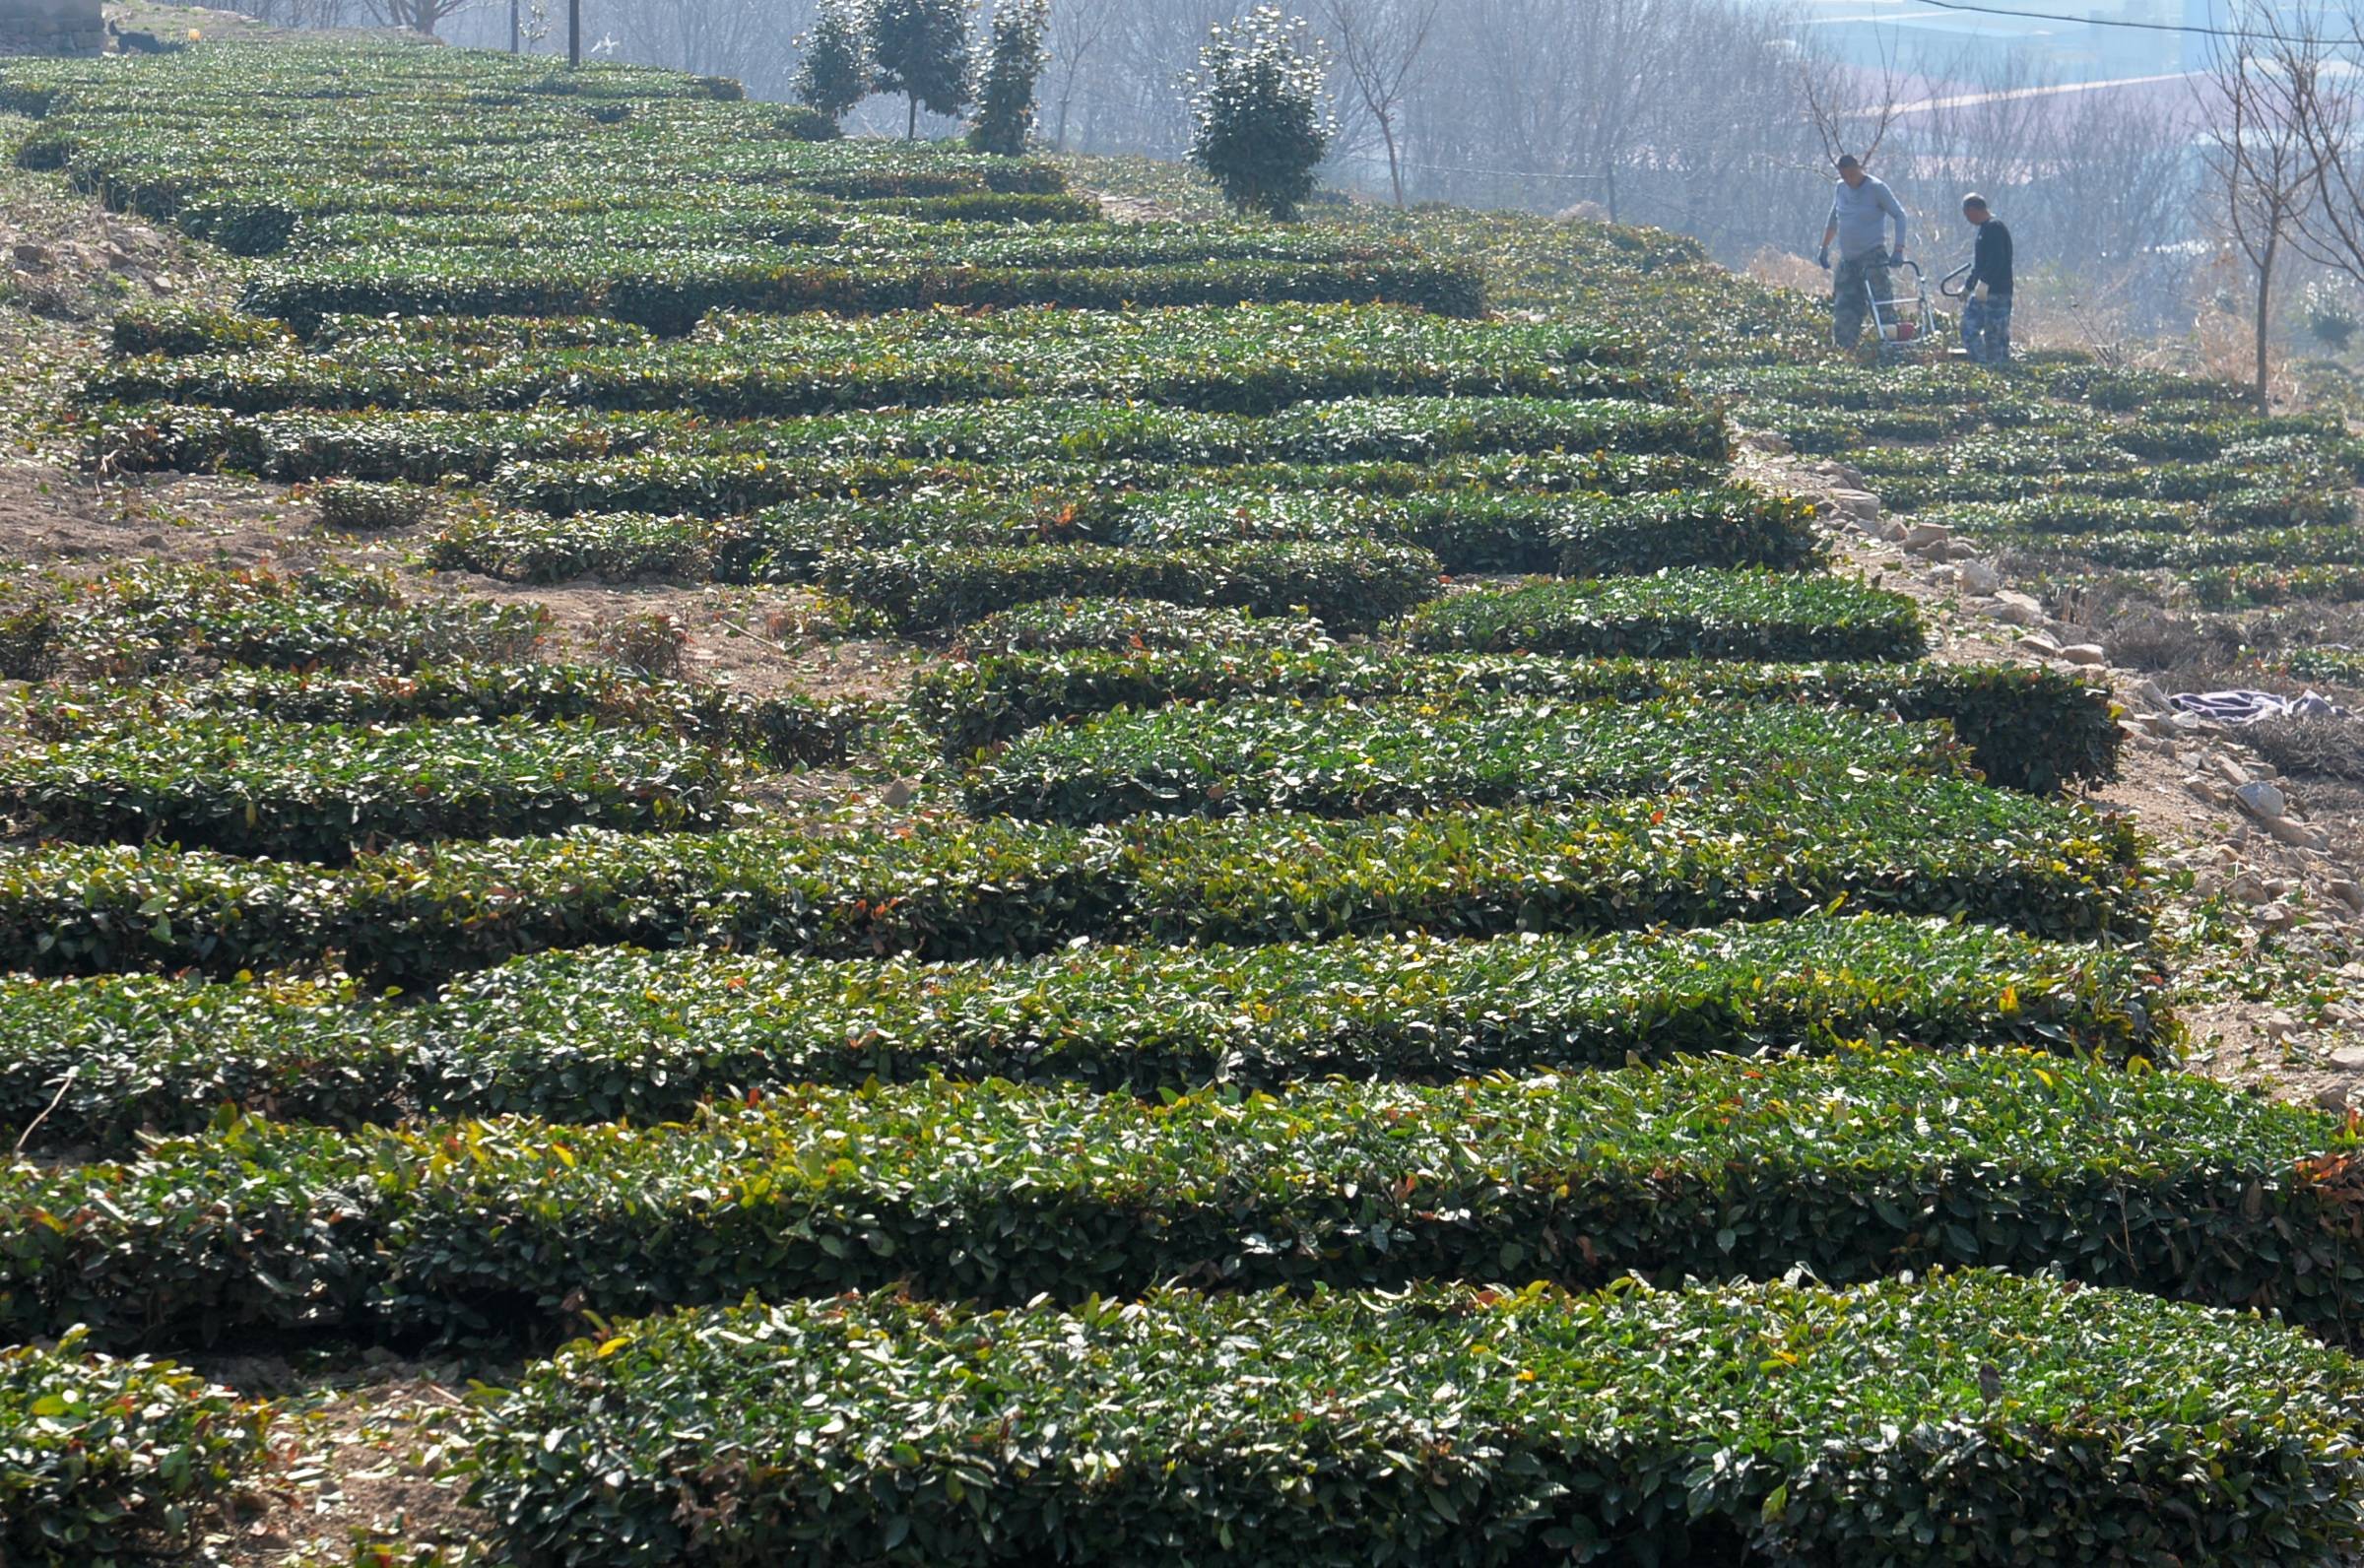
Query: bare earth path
<point x="2270" y="935"/>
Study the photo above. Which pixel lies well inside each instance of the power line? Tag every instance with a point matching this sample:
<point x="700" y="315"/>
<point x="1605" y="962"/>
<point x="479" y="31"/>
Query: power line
<point x="2194" y="29"/>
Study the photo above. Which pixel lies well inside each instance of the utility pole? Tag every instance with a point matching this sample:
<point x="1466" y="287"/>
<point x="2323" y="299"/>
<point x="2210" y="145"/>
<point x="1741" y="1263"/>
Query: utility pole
<point x="513" y="27"/>
<point x="574" y="32"/>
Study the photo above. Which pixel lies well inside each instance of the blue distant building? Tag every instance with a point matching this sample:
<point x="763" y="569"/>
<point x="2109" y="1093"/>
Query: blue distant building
<point x="2223" y="14"/>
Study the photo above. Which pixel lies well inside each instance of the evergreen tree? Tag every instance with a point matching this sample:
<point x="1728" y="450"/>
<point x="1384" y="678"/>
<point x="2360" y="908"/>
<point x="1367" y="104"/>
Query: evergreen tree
<point x="1006" y="77"/>
<point x="1259" y="124"/>
<point x="835" y="74"/>
<point x="920" y="49"/>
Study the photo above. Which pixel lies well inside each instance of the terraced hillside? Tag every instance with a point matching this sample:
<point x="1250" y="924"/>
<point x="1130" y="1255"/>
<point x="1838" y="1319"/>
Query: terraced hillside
<point x="1383" y="964"/>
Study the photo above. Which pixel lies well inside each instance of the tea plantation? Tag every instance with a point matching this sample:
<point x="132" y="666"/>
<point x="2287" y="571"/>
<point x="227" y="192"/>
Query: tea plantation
<point x="1435" y="986"/>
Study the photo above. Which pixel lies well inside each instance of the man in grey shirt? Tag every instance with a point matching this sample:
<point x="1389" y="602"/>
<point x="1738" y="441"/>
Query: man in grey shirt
<point x="1860" y="210"/>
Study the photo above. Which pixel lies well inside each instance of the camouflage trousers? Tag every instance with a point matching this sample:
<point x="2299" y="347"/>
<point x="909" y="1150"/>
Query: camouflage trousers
<point x="1850" y="304"/>
<point x="1986" y="329"/>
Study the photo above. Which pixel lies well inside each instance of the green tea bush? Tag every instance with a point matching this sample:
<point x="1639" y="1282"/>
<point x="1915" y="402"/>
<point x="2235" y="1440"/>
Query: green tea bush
<point x="251" y="786"/>
<point x="157" y="616"/>
<point x="2185" y="552"/>
<point x="2238" y="494"/>
<point x="668" y="293"/>
<point x="1347" y="587"/>
<point x="1953" y="385"/>
<point x="1584" y="536"/>
<point x="598" y="1035"/>
<point x="2185" y="441"/>
<point x="2244" y="587"/>
<point x="1693" y="615"/>
<point x="94" y="1064"/>
<point x="957" y="890"/>
<point x="2083" y="524"/>
<point x="563" y="461"/>
<point x="1251" y="361"/>
<point x="613" y="546"/>
<point x="730" y="483"/>
<point x="449" y="334"/>
<point x="2276" y="506"/>
<point x="1779" y="1422"/>
<point x="423" y="448"/>
<point x="2027" y="727"/>
<point x="179" y="329"/>
<point x="784" y="730"/>
<point x="2067" y="515"/>
<point x="607" y="1033"/>
<point x="1350" y="756"/>
<point x="104" y="1460"/>
<point x="745" y="466"/>
<point x="365" y="507"/>
<point x="1067" y="625"/>
<point x="1472" y="531"/>
<point x="674" y="221"/>
<point x="1852" y="1166"/>
<point x="1999" y="455"/>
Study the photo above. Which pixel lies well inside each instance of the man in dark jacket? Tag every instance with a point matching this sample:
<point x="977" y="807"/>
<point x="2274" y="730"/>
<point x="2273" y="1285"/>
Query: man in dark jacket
<point x="1987" y="297"/>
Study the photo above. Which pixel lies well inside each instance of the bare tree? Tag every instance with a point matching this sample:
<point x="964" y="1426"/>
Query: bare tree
<point x="1078" y="30"/>
<point x="2263" y="165"/>
<point x="2313" y="68"/>
<point x="1378" y="45"/>
<point x="1851" y="109"/>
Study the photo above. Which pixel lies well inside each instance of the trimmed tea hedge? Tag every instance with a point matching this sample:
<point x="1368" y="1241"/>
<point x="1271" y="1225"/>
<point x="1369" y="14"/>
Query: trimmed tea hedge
<point x="365" y="507"/>
<point x="569" y="461"/>
<point x="2238" y="494"/>
<point x="783" y="729"/>
<point x="668" y="293"/>
<point x="1062" y="625"/>
<point x="2028" y="727"/>
<point x="613" y="546"/>
<point x="251" y="786"/>
<point x="1779" y="1423"/>
<point x="1693" y="615"/>
<point x="602" y="1033"/>
<point x="2318" y="545"/>
<point x="1347" y="758"/>
<point x="954" y="889"/>
<point x="2241" y="587"/>
<point x="94" y="1064"/>
<point x="1348" y="587"/>
<point x="1582" y="536"/>
<point x="104" y="1460"/>
<point x="155" y="617"/>
<point x="193" y="329"/>
<point x="662" y="221"/>
<point x="1259" y="361"/>
<point x="450" y="335"/>
<point x="2156" y="393"/>
<point x="2067" y="514"/>
<point x="1854" y="1167"/>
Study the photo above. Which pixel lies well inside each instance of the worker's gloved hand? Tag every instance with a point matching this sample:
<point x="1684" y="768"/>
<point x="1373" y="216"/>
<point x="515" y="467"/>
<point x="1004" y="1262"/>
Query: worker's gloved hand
<point x="1822" y="260"/>
<point x="1895" y="258"/>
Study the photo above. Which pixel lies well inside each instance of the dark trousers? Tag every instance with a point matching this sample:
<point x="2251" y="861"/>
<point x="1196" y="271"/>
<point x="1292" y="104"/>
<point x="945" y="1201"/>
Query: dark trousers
<point x="1986" y="329"/>
<point x="1854" y="283"/>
